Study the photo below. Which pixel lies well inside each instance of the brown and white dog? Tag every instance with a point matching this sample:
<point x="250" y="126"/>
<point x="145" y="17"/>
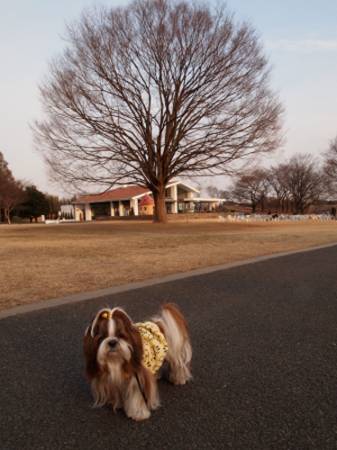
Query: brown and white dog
<point x="124" y="359"/>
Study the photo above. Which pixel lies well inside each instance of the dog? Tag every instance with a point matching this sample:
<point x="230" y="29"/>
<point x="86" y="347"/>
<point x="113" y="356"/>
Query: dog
<point x="124" y="360"/>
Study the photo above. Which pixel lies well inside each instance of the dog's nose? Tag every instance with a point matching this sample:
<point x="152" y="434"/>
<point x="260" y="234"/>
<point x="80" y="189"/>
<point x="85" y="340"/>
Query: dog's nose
<point x="112" y="344"/>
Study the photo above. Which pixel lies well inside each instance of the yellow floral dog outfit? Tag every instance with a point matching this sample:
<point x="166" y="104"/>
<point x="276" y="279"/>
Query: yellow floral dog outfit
<point x="154" y="345"/>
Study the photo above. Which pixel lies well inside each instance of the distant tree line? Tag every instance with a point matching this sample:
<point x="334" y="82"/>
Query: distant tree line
<point x="290" y="187"/>
<point x="22" y="200"/>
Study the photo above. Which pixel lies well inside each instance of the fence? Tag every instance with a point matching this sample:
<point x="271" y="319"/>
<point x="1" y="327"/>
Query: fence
<point x="276" y="217"/>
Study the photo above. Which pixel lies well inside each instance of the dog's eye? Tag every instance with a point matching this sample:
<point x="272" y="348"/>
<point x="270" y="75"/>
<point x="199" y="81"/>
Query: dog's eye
<point x="121" y="335"/>
<point x="105" y="315"/>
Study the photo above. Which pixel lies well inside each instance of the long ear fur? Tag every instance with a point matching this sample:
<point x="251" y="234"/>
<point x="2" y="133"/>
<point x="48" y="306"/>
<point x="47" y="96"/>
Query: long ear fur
<point x="125" y="326"/>
<point x="90" y="348"/>
<point x="104" y="392"/>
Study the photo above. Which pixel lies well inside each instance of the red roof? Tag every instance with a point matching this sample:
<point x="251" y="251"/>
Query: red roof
<point x="122" y="193"/>
<point x="146" y="201"/>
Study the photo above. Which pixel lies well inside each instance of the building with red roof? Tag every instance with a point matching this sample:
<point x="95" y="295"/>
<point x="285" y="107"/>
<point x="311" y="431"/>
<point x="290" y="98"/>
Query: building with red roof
<point x="137" y="200"/>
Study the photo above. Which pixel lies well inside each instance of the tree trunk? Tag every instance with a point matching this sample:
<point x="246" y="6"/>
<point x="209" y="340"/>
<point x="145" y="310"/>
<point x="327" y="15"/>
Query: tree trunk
<point x="7" y="216"/>
<point x="160" y="214"/>
<point x="288" y="206"/>
<point x="262" y="203"/>
<point x="296" y="208"/>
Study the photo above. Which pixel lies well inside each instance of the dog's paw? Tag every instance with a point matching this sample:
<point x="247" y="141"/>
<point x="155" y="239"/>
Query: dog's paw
<point x="155" y="404"/>
<point x="139" y="415"/>
<point x="180" y="375"/>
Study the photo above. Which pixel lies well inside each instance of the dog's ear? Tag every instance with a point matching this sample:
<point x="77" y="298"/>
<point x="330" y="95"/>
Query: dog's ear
<point x="126" y="330"/>
<point x="123" y="320"/>
<point x="90" y="348"/>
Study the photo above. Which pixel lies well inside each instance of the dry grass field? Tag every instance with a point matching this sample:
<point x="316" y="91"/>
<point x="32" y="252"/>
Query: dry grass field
<point x="39" y="262"/>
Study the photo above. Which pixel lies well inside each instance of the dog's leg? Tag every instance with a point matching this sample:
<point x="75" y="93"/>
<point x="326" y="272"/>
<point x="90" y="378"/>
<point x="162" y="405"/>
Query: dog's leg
<point x="141" y="395"/>
<point x="135" y="406"/>
<point x="179" y="365"/>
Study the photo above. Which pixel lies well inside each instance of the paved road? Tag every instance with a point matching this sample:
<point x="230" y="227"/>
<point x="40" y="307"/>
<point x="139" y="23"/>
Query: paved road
<point x="265" y="366"/>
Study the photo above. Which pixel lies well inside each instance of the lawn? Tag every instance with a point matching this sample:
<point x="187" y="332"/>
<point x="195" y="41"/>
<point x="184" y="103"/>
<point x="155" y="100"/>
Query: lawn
<point x="39" y="262"/>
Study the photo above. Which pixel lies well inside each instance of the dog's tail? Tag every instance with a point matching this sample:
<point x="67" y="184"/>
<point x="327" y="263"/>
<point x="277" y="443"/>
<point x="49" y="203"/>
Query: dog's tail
<point x="179" y="346"/>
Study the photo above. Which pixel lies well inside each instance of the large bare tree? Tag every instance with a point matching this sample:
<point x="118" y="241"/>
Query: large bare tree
<point x="154" y="90"/>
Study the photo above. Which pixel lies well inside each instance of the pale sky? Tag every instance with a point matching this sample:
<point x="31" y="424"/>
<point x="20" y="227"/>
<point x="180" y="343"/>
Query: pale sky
<point x="300" y="39"/>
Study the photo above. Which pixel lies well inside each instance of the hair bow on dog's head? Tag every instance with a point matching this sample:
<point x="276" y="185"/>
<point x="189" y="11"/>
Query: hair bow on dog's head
<point x="106" y="315"/>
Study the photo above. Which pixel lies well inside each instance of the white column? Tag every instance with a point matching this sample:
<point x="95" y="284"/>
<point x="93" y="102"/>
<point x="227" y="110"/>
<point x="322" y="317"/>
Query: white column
<point x="88" y="215"/>
<point x="77" y="213"/>
<point x="134" y="205"/>
<point x="112" y="210"/>
<point x="174" y="195"/>
<point x="121" y="208"/>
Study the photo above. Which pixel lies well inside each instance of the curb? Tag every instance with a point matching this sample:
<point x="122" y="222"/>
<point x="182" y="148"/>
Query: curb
<point x="147" y="283"/>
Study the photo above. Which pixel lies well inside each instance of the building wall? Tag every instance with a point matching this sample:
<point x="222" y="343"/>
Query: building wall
<point x="146" y="210"/>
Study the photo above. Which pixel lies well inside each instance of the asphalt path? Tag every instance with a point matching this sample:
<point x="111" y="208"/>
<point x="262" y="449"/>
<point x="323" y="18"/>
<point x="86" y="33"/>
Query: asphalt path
<point x="264" y="364"/>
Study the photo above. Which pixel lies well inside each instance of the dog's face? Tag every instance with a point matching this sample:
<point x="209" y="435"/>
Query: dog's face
<point x="111" y="338"/>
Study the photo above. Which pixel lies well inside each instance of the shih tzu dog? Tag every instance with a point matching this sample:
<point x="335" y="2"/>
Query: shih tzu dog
<point x="125" y="359"/>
